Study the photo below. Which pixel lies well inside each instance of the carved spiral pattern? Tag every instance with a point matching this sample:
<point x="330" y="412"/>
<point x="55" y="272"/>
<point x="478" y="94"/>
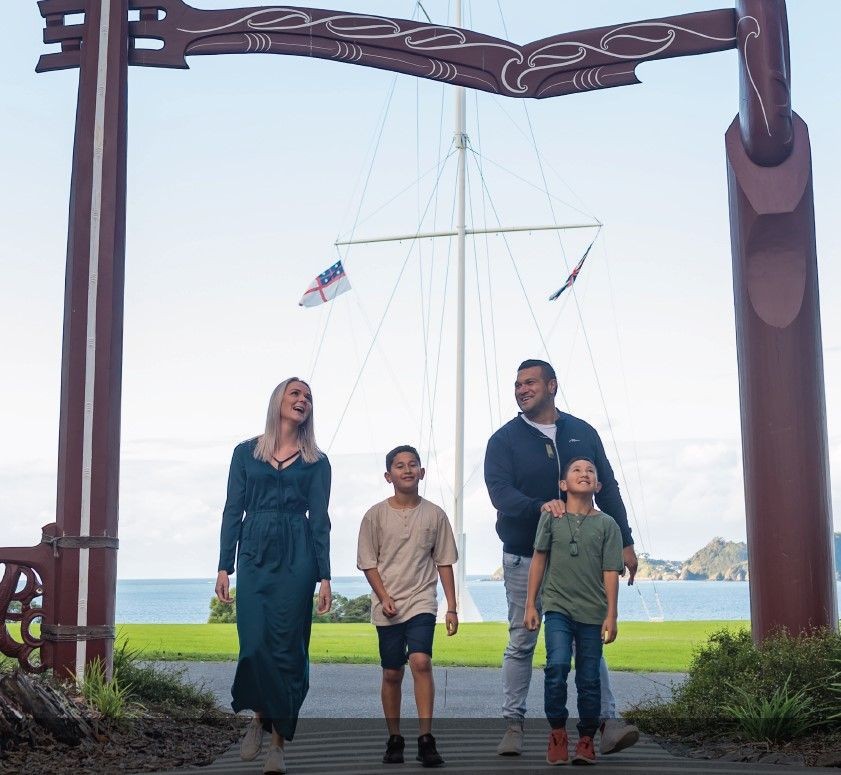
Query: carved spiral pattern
<point x="12" y="591"/>
<point x="624" y="43"/>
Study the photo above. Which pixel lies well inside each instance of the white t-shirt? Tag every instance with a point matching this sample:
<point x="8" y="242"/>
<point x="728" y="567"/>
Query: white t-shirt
<point x="548" y="430"/>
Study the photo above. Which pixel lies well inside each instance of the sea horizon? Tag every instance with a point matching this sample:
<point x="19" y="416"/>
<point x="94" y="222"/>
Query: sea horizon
<point x="187" y="601"/>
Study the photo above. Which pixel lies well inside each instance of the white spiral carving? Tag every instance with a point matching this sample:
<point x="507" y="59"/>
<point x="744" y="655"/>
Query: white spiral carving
<point x="641" y="40"/>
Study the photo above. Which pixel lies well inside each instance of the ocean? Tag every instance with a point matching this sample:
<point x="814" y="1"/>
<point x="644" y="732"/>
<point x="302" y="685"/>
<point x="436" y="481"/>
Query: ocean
<point x="187" y="601"/>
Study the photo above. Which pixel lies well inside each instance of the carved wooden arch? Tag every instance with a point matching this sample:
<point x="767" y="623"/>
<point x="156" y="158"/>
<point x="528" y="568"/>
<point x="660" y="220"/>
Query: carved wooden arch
<point x="772" y="234"/>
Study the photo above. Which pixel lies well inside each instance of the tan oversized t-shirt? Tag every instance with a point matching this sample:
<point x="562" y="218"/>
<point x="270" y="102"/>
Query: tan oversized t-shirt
<point x="406" y="546"/>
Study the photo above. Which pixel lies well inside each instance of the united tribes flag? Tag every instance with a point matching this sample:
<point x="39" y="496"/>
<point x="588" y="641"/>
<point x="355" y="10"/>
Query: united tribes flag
<point x="326" y="286"/>
<point x="573" y="275"/>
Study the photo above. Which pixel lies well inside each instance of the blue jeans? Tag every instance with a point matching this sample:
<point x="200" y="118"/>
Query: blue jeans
<point x="517" y="659"/>
<point x="561" y="632"/>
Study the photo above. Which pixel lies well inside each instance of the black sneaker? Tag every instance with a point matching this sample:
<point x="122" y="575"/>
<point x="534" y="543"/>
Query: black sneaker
<point x="428" y="754"/>
<point x="394" y="750"/>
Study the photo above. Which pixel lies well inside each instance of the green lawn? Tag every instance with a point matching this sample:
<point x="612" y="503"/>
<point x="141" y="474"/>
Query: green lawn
<point x="641" y="646"/>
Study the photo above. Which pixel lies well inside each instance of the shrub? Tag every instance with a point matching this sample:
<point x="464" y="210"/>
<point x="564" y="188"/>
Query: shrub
<point x="785" y="715"/>
<point x="356" y="609"/>
<point x="164" y="687"/>
<point x="776" y="691"/>
<point x="223" y="613"/>
<point x="108" y="697"/>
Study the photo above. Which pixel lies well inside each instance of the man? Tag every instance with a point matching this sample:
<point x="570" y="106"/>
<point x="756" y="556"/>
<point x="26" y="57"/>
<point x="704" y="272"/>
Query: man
<point x="523" y="465"/>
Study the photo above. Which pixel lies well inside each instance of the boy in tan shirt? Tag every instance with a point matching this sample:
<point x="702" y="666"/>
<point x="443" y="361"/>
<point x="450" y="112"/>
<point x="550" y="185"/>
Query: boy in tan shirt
<point x="405" y="544"/>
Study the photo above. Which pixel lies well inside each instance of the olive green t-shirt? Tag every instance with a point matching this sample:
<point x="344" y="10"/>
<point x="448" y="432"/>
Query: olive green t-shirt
<point x="573" y="584"/>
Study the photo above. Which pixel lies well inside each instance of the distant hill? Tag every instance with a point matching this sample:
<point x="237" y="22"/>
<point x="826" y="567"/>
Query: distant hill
<point x="657" y="570"/>
<point x="719" y="560"/>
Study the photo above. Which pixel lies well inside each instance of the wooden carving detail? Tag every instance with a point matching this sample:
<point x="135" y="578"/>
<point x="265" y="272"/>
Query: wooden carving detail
<point x="765" y="116"/>
<point x="16" y="602"/>
<point x="562" y="64"/>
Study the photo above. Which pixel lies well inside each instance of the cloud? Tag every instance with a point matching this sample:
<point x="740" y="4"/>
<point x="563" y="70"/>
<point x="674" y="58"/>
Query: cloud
<point x="687" y="492"/>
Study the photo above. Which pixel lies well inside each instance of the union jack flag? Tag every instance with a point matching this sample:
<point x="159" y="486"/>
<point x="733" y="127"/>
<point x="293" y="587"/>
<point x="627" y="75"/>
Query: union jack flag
<point x="329" y="284"/>
<point x="573" y="275"/>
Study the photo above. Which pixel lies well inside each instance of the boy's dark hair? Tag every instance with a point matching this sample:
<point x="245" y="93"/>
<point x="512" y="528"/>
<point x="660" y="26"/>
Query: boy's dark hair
<point x="545" y="368"/>
<point x="389" y="458"/>
<point x="575" y="460"/>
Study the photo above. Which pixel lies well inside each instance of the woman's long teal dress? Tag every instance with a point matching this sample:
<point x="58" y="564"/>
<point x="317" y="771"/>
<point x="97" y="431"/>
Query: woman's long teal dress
<point x="282" y="548"/>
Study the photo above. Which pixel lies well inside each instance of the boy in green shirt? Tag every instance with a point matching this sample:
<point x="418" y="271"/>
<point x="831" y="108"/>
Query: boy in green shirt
<point x="577" y="559"/>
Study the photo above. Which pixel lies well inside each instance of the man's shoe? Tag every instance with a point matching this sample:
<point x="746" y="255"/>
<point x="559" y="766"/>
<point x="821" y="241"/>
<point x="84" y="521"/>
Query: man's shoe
<point x="275" y="764"/>
<point x="428" y="754"/>
<point x="617" y="735"/>
<point x="585" y="753"/>
<point x="394" y="750"/>
<point x="252" y="741"/>
<point x="557" y="751"/>
<point x="512" y="741"/>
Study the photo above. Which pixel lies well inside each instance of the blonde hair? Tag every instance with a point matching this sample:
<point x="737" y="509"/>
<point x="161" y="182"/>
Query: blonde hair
<point x="306" y="434"/>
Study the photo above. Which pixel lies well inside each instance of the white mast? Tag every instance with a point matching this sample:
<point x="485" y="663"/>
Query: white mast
<point x="458" y="479"/>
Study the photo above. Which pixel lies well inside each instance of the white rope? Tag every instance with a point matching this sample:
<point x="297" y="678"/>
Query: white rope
<point x="380" y="324"/>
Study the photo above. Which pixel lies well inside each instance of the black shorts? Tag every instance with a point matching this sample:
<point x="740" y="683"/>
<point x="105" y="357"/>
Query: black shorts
<point x="397" y="641"/>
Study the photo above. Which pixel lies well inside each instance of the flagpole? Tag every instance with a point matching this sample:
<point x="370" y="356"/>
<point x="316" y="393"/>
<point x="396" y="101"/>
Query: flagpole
<point x="458" y="479"/>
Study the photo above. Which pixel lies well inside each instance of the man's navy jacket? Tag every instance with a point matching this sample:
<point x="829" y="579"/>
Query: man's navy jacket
<point x="522" y="470"/>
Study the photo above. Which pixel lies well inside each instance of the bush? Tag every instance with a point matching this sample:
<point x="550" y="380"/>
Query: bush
<point x="785" y="715"/>
<point x="167" y="688"/>
<point x="357" y="609"/>
<point x="110" y="698"/>
<point x="776" y="691"/>
<point x="223" y="613"/>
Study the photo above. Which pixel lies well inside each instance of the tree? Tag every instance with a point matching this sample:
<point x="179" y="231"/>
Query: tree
<point x="223" y="613"/>
<point x="357" y="609"/>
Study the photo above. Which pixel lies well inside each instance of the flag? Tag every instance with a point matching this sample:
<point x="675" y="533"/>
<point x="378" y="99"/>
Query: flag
<point x="326" y="286"/>
<point x="573" y="275"/>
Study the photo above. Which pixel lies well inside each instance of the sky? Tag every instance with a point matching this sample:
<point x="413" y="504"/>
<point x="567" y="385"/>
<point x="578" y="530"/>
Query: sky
<point x="244" y="171"/>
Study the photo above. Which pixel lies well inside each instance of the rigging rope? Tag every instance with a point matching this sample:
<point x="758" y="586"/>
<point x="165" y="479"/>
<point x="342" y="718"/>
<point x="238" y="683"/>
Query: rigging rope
<point x="380" y="323"/>
<point x="520" y="279"/>
<point x="379" y="137"/>
<point x="539" y="158"/>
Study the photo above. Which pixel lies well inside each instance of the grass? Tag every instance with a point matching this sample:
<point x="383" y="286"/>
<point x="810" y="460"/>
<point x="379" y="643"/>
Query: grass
<point x="641" y="646"/>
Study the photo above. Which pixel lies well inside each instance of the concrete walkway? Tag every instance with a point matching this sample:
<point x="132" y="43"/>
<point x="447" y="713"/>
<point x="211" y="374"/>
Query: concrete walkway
<point x="341" y="728"/>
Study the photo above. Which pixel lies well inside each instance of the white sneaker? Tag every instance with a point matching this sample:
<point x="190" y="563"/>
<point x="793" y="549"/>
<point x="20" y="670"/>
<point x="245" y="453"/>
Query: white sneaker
<point x="512" y="741"/>
<point x="617" y="735"/>
<point x="275" y="764"/>
<point x="252" y="741"/>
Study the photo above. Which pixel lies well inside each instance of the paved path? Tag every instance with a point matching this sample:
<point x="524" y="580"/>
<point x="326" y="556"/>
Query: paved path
<point x="353" y="691"/>
<point x="341" y="727"/>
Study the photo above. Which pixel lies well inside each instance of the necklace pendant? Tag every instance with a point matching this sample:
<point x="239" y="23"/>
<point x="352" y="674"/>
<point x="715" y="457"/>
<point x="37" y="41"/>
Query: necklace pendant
<point x="573" y="548"/>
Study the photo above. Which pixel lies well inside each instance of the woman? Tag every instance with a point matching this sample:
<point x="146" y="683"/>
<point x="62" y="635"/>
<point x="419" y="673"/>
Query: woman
<point x="281" y="482"/>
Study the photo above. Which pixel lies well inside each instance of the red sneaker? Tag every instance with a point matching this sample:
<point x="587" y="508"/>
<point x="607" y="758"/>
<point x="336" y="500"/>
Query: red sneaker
<point x="585" y="753"/>
<point x="558" y="750"/>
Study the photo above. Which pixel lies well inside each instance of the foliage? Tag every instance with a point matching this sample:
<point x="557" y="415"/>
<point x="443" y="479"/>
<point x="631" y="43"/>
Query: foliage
<point x="164" y="687"/>
<point x="357" y="609"/>
<point x="785" y="715"/>
<point x="110" y="698"/>
<point x="344" y="609"/>
<point x="734" y="688"/>
<point x="223" y="613"/>
<point x="835" y="691"/>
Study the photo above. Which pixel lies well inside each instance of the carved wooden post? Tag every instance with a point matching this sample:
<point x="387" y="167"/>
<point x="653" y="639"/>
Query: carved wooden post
<point x="91" y="372"/>
<point x="778" y="337"/>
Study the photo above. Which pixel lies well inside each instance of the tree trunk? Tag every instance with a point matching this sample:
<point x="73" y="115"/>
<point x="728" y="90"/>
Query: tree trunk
<point x="27" y="701"/>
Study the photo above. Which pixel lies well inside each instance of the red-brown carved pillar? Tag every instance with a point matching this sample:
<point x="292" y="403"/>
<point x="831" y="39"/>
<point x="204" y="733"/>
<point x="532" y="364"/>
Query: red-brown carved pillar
<point x="91" y="371"/>
<point x="784" y="439"/>
<point x="778" y="337"/>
